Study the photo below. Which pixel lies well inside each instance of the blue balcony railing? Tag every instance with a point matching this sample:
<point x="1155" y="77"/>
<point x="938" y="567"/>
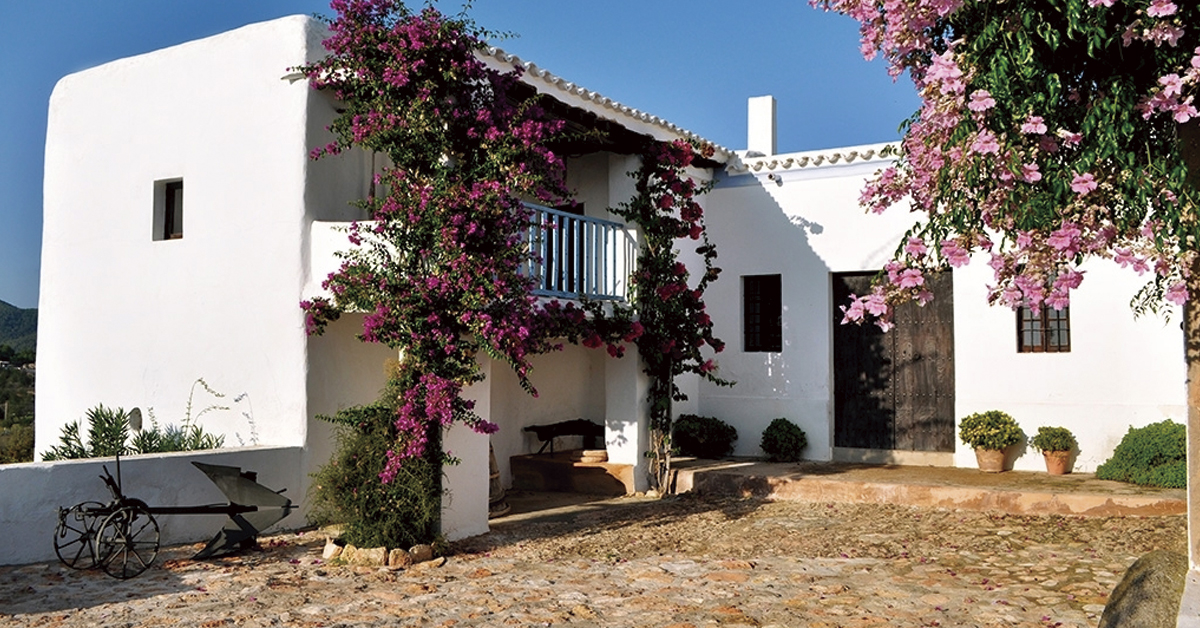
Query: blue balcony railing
<point x="575" y="256"/>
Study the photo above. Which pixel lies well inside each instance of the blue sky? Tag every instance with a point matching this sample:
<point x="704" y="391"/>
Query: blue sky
<point x="693" y="62"/>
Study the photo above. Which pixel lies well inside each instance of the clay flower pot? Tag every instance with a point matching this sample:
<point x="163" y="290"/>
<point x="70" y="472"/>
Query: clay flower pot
<point x="990" y="460"/>
<point x="1057" y="462"/>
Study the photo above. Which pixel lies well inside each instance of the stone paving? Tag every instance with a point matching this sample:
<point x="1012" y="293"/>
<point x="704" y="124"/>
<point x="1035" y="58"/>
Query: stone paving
<point x="531" y="572"/>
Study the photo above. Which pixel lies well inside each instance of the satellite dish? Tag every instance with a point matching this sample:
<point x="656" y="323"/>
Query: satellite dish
<point x="135" y="419"/>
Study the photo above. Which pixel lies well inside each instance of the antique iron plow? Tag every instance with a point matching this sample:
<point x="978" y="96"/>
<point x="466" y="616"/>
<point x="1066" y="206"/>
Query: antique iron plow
<point x="122" y="537"/>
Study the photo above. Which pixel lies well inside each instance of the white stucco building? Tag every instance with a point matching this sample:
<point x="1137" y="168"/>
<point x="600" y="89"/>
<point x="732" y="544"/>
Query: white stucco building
<point x="1096" y="369"/>
<point x="184" y="223"/>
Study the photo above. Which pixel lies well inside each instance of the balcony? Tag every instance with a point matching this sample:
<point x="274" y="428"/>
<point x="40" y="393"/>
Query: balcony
<point x="571" y="256"/>
<point x="574" y="256"/>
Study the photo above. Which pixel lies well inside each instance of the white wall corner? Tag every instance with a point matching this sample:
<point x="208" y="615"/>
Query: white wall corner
<point x="1189" y="605"/>
<point x="627" y="414"/>
<point x="760" y="127"/>
<point x="465" y="498"/>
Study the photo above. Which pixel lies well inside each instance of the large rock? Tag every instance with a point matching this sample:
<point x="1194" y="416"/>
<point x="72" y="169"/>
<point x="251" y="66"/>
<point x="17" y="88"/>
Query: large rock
<point x="399" y="558"/>
<point x="1148" y="595"/>
<point x="369" y="557"/>
<point x="332" y="550"/>
<point x="421" y="553"/>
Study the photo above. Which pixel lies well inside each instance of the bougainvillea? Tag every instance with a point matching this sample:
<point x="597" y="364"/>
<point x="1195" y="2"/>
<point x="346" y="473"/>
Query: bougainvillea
<point x="438" y="268"/>
<point x="1048" y="134"/>
<point x="672" y="312"/>
<point x="1051" y="131"/>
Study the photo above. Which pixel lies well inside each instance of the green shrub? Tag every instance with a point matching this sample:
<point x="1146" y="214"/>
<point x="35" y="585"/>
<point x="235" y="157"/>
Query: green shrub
<point x="703" y="436"/>
<point x="1053" y="439"/>
<point x="109" y="435"/>
<point x="16" y="444"/>
<point x="347" y="490"/>
<point x="783" y="441"/>
<point x="989" y="430"/>
<point x="1155" y="455"/>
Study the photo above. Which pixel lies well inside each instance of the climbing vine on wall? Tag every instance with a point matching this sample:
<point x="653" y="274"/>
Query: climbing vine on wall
<point x="437" y="269"/>
<point x="672" y="313"/>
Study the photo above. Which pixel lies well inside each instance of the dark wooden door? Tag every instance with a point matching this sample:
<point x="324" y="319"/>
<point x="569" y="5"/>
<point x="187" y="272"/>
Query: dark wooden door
<point x="895" y="390"/>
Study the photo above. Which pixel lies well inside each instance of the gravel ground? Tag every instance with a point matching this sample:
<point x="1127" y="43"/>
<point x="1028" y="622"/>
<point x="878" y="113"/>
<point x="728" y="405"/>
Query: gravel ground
<point x="683" y="562"/>
<point x="750" y="528"/>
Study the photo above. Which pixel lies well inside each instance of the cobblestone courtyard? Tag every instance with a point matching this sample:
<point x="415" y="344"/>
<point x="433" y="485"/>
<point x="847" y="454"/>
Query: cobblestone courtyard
<point x="676" y="562"/>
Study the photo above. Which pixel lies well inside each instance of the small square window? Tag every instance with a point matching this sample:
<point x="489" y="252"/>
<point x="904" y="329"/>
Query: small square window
<point x="1044" y="330"/>
<point x="168" y="209"/>
<point x="762" y="313"/>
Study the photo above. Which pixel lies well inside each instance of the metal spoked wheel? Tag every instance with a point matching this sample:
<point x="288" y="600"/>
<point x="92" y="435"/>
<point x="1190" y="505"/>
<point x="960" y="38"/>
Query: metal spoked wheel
<point x="74" y="539"/>
<point x="127" y="541"/>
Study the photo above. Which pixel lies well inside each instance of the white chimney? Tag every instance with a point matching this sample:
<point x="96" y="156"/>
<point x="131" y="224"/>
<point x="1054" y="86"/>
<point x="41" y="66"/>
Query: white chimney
<point x="760" y="130"/>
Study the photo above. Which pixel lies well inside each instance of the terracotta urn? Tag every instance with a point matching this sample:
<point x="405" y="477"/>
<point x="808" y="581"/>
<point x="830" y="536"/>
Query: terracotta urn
<point x="1057" y="462"/>
<point x="990" y="460"/>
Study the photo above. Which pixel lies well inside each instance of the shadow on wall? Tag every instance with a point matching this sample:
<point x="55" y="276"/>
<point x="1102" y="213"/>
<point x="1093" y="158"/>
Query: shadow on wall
<point x="754" y="236"/>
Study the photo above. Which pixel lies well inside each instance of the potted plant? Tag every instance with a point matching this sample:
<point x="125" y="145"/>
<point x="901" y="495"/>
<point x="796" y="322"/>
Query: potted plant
<point x="990" y="433"/>
<point x="1056" y="445"/>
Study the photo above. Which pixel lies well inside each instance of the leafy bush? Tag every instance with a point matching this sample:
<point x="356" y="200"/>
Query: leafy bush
<point x="108" y="429"/>
<point x="16" y="443"/>
<point x="1053" y="439"/>
<point x="348" y="490"/>
<point x="783" y="441"/>
<point x="1155" y="455"/>
<point x="989" y="430"/>
<point x="704" y="436"/>
<point x="109" y="435"/>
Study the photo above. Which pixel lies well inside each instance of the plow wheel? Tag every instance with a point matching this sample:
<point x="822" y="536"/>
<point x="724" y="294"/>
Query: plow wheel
<point x="74" y="539"/>
<point x="127" y="541"/>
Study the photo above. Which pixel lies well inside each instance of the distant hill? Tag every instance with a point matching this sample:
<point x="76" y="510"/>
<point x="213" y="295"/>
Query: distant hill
<point x="18" y="327"/>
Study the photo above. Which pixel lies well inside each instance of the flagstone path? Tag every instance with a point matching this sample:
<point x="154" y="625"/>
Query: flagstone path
<point x="677" y="562"/>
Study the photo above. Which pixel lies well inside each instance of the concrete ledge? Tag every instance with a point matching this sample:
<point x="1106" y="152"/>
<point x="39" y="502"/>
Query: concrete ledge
<point x="889" y="456"/>
<point x="1011" y="492"/>
<point x="31" y="493"/>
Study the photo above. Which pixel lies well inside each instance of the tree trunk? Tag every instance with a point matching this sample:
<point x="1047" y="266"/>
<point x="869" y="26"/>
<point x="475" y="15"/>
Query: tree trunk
<point x="1189" y="145"/>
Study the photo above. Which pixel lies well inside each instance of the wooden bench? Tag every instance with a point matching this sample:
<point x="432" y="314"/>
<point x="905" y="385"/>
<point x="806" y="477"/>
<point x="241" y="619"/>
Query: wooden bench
<point x="589" y="430"/>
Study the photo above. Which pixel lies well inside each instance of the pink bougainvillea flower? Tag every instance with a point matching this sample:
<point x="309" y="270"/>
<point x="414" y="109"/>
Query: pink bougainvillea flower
<point x="1100" y="3"/>
<point x="1035" y="125"/>
<point x="1070" y="138"/>
<point x="876" y="304"/>
<point x="1065" y="238"/>
<point x="985" y="143"/>
<point x="854" y="312"/>
<point x="1177" y="293"/>
<point x="955" y="254"/>
<point x="1030" y="173"/>
<point x="1161" y="8"/>
<point x="1059" y="299"/>
<point x="1184" y="111"/>
<point x="981" y="100"/>
<point x="915" y="247"/>
<point x="945" y="71"/>
<point x="1083" y="183"/>
<point x="911" y="278"/>
<point x="1172" y="85"/>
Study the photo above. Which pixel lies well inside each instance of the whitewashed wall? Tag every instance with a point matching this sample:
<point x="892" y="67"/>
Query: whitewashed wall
<point x="127" y="320"/>
<point x="570" y="385"/>
<point x="31" y="494"/>
<point x="1120" y="372"/>
<point x="805" y="224"/>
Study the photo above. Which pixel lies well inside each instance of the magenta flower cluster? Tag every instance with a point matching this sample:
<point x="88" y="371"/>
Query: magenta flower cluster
<point x="438" y="270"/>
<point x="1025" y="160"/>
